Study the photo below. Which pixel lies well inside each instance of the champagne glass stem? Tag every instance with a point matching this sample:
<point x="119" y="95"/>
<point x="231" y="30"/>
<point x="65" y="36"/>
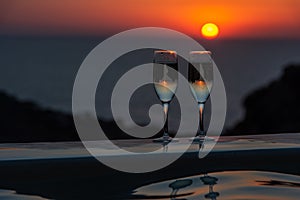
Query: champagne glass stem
<point x="166" y="131"/>
<point x="201" y="124"/>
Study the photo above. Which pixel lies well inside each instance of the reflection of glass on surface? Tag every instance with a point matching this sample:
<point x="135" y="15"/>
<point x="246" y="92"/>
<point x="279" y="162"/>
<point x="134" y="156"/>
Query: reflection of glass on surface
<point x="210" y="181"/>
<point x="177" y="185"/>
<point x="263" y="185"/>
<point x="165" y="77"/>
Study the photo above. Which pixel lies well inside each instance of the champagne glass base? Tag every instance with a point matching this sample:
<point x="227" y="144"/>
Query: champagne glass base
<point x="165" y="139"/>
<point x="199" y="139"/>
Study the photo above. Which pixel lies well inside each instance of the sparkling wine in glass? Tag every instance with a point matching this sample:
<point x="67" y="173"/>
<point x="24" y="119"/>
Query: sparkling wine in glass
<point x="165" y="77"/>
<point x="200" y="76"/>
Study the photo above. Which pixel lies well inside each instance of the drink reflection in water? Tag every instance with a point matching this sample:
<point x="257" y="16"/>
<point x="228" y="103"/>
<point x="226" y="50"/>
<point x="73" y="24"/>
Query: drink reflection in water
<point x="177" y="185"/>
<point x="239" y="184"/>
<point x="184" y="183"/>
<point x="210" y="181"/>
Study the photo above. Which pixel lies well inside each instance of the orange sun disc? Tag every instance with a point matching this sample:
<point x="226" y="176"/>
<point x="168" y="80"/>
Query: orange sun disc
<point x="210" y="30"/>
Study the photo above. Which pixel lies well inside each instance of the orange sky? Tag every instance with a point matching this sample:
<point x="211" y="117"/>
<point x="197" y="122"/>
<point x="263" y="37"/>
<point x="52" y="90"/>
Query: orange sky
<point x="236" y="18"/>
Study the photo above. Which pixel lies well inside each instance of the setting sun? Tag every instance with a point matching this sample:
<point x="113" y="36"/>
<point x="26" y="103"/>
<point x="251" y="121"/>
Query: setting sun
<point x="210" y="30"/>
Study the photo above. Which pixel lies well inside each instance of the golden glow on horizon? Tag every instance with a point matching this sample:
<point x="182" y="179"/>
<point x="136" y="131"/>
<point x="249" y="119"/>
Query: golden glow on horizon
<point x="236" y="19"/>
<point x="210" y="30"/>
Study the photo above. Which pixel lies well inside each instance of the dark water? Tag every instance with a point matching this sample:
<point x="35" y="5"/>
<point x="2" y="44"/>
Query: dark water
<point x="235" y="185"/>
<point x="228" y="185"/>
<point x="239" y="185"/>
<point x="43" y="69"/>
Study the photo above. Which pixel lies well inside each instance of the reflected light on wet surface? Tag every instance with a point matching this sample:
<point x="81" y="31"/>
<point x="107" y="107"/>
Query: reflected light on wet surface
<point x="227" y="185"/>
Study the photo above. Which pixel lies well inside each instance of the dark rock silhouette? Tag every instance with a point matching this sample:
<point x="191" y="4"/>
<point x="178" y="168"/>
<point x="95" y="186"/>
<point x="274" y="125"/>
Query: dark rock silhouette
<point x="273" y="109"/>
<point x="27" y="122"/>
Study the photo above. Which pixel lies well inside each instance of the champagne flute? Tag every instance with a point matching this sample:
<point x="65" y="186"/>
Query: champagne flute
<point x="200" y="76"/>
<point x="165" y="77"/>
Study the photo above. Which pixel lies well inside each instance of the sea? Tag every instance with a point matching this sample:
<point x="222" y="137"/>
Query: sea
<point x="42" y="69"/>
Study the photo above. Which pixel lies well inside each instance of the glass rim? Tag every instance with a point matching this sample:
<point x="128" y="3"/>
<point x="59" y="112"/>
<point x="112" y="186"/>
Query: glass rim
<point x="165" y="51"/>
<point x="165" y="56"/>
<point x="201" y="52"/>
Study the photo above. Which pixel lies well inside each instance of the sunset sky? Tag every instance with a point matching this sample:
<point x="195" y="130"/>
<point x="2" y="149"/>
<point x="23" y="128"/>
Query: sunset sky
<point x="235" y="18"/>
